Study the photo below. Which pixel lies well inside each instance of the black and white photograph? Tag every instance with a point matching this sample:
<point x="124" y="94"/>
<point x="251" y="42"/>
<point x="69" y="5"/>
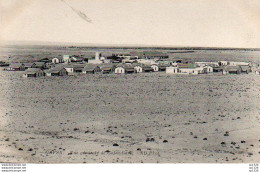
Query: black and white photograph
<point x="130" y="81"/>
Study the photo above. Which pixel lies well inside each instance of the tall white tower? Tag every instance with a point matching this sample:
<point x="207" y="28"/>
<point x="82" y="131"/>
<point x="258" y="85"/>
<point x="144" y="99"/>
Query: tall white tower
<point x="98" y="55"/>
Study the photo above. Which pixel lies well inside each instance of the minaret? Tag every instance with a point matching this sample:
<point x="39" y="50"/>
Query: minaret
<point x="98" y="55"/>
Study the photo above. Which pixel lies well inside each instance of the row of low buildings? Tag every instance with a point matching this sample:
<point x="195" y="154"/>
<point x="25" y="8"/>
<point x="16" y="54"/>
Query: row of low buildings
<point x="98" y="59"/>
<point x="26" y="65"/>
<point x="225" y="67"/>
<point x="194" y="69"/>
<point x="68" y="59"/>
<point x="189" y="69"/>
<point x="126" y="68"/>
<point x="68" y="65"/>
<point x="104" y="68"/>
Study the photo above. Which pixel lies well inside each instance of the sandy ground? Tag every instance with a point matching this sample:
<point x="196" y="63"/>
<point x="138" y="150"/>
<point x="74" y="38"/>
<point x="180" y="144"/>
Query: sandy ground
<point x="151" y="117"/>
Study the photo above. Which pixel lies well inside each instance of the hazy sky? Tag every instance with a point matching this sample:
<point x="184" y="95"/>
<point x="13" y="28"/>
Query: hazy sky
<point x="210" y="23"/>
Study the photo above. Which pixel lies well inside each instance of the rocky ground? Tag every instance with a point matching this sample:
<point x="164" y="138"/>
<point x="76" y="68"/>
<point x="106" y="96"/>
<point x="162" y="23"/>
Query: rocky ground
<point x="152" y="117"/>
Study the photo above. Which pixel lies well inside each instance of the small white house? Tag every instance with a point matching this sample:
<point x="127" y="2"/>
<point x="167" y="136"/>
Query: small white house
<point x="172" y="69"/>
<point x="66" y="58"/>
<point x="138" y="69"/>
<point x="257" y="72"/>
<point x="69" y="69"/>
<point x="57" y="60"/>
<point x="155" y="68"/>
<point x="73" y="58"/>
<point x="223" y="63"/>
<point x="208" y="69"/>
<point x="119" y="70"/>
<point x="224" y="72"/>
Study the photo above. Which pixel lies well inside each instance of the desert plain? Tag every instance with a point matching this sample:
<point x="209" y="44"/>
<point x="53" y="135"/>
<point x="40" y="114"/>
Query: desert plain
<point x="133" y="118"/>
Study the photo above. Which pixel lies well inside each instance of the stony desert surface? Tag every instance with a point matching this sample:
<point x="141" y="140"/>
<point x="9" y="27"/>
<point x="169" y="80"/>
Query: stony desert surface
<point x="137" y="118"/>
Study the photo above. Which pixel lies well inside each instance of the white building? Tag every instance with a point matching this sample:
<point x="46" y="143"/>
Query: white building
<point x="232" y="63"/>
<point x="239" y="64"/>
<point x="97" y="59"/>
<point x="208" y="69"/>
<point x="223" y="63"/>
<point x="138" y="69"/>
<point x="66" y="58"/>
<point x="146" y="61"/>
<point x="130" y="57"/>
<point x="172" y="69"/>
<point x="69" y="69"/>
<point x="224" y="72"/>
<point x="125" y="68"/>
<point x="128" y="61"/>
<point x="57" y="60"/>
<point x="155" y="67"/>
<point x="193" y="71"/>
<point x="119" y="70"/>
<point x="207" y="64"/>
<point x="189" y="69"/>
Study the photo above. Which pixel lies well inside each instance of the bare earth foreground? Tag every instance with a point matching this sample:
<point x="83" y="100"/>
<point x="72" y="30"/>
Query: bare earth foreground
<point x="130" y="118"/>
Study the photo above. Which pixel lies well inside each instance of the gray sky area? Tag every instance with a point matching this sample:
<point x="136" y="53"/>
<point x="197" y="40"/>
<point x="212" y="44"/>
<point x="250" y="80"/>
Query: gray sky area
<point x="203" y="23"/>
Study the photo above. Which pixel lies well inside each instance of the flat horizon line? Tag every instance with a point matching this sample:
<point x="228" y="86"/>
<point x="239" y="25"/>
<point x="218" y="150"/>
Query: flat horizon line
<point x="102" y="45"/>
